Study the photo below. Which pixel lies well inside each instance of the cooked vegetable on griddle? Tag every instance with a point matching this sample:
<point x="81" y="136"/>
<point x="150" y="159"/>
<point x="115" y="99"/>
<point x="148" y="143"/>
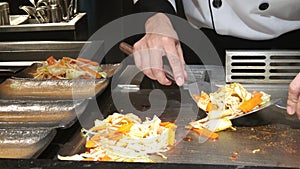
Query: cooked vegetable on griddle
<point x="126" y="138"/>
<point x="228" y="102"/>
<point x="69" y="68"/>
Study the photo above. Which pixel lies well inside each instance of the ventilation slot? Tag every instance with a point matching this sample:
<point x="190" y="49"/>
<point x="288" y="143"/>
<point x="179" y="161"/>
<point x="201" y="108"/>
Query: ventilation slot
<point x="262" y="66"/>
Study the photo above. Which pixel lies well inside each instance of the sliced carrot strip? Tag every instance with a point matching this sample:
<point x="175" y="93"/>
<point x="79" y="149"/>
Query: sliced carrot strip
<point x="51" y="60"/>
<point x="90" y="144"/>
<point x="209" y="107"/>
<point x="125" y="128"/>
<point x="248" y="105"/>
<point x="95" y="74"/>
<point x="105" y="158"/>
<point x="88" y="61"/>
<point x="206" y="133"/>
<point x="168" y="124"/>
<point x="89" y="159"/>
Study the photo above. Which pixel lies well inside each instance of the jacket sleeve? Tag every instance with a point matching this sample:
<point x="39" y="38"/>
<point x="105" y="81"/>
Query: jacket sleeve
<point x="163" y="6"/>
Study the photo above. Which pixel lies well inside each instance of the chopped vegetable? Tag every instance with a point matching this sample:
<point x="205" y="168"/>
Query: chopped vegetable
<point x="226" y="103"/>
<point x="248" y="105"/>
<point x="206" y="133"/>
<point x="88" y="61"/>
<point x="51" y="61"/>
<point x="90" y="144"/>
<point x="125" y="128"/>
<point x="68" y="68"/>
<point x="168" y="124"/>
<point x="91" y="72"/>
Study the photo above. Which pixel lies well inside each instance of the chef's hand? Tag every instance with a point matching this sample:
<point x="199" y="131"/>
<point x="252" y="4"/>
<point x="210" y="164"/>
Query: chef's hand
<point x="293" y="102"/>
<point x="160" y="40"/>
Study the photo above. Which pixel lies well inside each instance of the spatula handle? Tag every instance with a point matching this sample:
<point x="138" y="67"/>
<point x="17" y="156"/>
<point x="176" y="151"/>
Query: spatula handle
<point x="128" y="49"/>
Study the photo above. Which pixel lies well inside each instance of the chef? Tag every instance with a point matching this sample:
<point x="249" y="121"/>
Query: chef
<point x="251" y="20"/>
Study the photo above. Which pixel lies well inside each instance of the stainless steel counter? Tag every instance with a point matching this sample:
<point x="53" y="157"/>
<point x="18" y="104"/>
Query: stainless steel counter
<point x="29" y="25"/>
<point x="75" y="29"/>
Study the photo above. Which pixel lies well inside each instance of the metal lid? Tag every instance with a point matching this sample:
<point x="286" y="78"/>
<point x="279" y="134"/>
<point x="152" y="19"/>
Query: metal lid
<point x="4" y="5"/>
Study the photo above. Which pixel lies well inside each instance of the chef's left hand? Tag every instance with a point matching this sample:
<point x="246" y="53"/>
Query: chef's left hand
<point x="293" y="101"/>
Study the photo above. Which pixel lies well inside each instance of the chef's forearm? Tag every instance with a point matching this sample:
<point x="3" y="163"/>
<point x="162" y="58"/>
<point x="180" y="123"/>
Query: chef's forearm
<point x="164" y="6"/>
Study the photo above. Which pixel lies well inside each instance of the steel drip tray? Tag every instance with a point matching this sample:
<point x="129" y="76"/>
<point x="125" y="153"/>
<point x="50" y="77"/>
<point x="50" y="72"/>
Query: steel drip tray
<point x="262" y="66"/>
<point x="24" y="142"/>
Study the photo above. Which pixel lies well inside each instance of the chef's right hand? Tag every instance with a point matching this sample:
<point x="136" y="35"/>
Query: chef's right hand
<point x="293" y="102"/>
<point x="160" y="40"/>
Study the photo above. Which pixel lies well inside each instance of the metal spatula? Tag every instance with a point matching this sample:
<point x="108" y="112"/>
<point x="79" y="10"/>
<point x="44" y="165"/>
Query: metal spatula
<point x="270" y="103"/>
<point x="192" y="84"/>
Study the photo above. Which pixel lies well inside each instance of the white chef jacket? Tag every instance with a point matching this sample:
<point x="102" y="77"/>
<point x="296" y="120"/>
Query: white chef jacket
<point x="248" y="19"/>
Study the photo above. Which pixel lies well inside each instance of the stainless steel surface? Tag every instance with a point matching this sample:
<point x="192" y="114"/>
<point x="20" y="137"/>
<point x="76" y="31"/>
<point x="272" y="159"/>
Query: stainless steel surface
<point x="281" y="104"/>
<point x="16" y="63"/>
<point x="33" y="3"/>
<point x="56" y="14"/>
<point x="63" y="5"/>
<point x="18" y="19"/>
<point x="24" y="142"/>
<point x="51" y="11"/>
<point x="32" y="26"/>
<point x="4" y="13"/>
<point x="44" y="12"/>
<point x="31" y="11"/>
<point x="272" y="66"/>
<point x="42" y="2"/>
<point x="70" y="10"/>
<point x="40" y="114"/>
<point x="29" y="52"/>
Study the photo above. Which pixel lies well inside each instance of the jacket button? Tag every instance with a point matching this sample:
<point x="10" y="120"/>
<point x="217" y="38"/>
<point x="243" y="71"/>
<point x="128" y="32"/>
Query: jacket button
<point x="217" y="3"/>
<point x="263" y="6"/>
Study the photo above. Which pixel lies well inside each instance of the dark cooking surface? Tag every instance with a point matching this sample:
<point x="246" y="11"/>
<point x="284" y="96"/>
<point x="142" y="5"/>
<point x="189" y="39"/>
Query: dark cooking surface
<point x="267" y="138"/>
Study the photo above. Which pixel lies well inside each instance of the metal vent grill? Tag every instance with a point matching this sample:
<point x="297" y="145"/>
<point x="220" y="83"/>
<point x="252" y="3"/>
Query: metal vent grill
<point x="262" y="66"/>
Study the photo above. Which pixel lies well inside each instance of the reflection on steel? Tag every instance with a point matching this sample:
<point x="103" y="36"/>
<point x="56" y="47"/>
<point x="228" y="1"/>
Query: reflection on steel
<point x="41" y="114"/>
<point x="24" y="142"/>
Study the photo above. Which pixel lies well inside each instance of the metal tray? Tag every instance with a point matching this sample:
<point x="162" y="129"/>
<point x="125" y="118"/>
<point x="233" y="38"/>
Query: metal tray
<point x="24" y="143"/>
<point x="23" y="86"/>
<point x="40" y="114"/>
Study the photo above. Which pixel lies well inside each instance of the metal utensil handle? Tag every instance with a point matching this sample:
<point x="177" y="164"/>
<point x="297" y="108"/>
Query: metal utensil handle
<point x="128" y="50"/>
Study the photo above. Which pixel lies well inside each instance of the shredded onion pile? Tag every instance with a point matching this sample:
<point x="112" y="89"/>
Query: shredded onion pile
<point x="126" y="138"/>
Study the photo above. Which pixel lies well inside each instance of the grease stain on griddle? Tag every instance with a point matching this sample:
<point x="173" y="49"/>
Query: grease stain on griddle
<point x="234" y="156"/>
<point x="188" y="139"/>
<point x="272" y="136"/>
